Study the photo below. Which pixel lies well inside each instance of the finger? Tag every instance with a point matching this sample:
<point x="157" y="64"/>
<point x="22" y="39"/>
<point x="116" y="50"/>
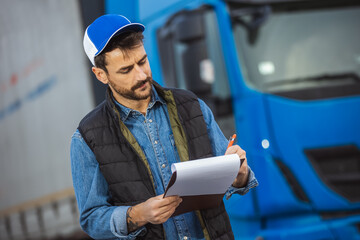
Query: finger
<point x="236" y="149"/>
<point x="165" y="211"/>
<point x="241" y="152"/>
<point x="160" y="205"/>
<point x="161" y="197"/>
<point x="169" y="200"/>
<point x="164" y="204"/>
<point x="232" y="149"/>
<point x="165" y="215"/>
<point x="172" y="203"/>
<point x="172" y="198"/>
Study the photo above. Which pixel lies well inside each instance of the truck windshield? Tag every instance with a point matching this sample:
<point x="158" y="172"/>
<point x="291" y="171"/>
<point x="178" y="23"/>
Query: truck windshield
<point x="281" y="50"/>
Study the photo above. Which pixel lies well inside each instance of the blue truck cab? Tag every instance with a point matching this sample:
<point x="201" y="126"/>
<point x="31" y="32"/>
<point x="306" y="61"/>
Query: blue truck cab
<point x="284" y="76"/>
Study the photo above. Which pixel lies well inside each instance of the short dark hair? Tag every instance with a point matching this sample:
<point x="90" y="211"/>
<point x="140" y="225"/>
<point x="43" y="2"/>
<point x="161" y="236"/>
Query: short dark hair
<point x="125" y="42"/>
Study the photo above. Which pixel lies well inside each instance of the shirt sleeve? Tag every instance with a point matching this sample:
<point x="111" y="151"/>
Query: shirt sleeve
<point x="98" y="218"/>
<point x="252" y="182"/>
<point x="219" y="144"/>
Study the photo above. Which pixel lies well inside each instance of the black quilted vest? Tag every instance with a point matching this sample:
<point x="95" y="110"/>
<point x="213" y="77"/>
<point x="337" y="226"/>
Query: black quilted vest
<point x="125" y="167"/>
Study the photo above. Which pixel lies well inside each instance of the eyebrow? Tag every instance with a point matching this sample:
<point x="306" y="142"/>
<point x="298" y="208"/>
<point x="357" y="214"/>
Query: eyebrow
<point x="132" y="65"/>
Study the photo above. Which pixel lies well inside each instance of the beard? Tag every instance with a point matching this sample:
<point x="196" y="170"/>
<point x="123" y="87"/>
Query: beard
<point x="131" y="94"/>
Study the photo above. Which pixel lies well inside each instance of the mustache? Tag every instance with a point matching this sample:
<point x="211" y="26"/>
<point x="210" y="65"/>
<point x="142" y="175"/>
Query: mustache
<point x="139" y="84"/>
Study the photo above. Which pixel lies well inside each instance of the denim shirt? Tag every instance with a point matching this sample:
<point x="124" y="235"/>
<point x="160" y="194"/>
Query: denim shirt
<point x="98" y="217"/>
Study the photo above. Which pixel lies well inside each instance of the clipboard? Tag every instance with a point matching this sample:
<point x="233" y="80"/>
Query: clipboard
<point x="202" y="183"/>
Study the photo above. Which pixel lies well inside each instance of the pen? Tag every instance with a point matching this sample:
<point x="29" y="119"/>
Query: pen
<point x="231" y="141"/>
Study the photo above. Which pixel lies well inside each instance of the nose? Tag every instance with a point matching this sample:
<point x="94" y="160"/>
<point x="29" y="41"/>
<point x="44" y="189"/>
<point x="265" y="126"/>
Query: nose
<point x="140" y="72"/>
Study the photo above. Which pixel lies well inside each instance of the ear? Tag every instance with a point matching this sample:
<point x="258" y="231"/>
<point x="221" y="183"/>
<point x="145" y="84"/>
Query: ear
<point x="100" y="74"/>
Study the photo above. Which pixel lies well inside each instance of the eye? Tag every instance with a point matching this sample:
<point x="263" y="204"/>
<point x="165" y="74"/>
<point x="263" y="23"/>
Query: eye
<point x="126" y="70"/>
<point x="142" y="62"/>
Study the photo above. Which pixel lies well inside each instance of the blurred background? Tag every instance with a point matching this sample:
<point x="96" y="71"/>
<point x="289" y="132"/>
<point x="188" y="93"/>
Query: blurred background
<point x="283" y="75"/>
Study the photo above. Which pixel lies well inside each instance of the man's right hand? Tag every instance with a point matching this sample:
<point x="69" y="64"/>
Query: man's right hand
<point x="155" y="210"/>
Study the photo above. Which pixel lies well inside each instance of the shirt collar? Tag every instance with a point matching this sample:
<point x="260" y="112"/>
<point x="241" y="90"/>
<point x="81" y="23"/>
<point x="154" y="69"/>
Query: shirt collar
<point x="125" y="111"/>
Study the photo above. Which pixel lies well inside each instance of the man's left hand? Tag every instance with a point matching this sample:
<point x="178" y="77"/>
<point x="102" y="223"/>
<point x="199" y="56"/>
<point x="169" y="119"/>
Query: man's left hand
<point x="243" y="174"/>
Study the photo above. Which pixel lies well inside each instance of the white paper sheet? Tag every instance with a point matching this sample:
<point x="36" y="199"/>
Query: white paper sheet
<point x="204" y="176"/>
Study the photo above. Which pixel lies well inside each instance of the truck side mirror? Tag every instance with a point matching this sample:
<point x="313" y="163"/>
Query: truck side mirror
<point x="187" y="34"/>
<point x="191" y="58"/>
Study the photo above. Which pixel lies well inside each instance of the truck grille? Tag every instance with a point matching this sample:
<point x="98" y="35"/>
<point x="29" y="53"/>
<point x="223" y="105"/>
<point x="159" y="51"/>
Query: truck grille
<point x="339" y="168"/>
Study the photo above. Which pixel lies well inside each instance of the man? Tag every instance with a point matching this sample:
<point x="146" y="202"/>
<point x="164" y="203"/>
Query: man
<point x="122" y="151"/>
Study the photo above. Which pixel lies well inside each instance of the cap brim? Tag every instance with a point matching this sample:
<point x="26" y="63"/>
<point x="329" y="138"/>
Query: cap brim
<point x="131" y="27"/>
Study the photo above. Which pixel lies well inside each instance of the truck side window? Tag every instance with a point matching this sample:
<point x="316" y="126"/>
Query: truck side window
<point x="192" y="59"/>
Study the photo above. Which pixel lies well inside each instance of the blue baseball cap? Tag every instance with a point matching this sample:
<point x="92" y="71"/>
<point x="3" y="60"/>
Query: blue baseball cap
<point x="100" y="32"/>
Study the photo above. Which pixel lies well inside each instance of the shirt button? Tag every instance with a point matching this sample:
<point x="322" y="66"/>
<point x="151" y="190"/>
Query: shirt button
<point x="155" y="142"/>
<point x="185" y="238"/>
<point x="163" y="166"/>
<point x="150" y="120"/>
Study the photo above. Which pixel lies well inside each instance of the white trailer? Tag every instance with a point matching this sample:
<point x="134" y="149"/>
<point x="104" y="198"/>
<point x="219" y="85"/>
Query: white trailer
<point x="44" y="92"/>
